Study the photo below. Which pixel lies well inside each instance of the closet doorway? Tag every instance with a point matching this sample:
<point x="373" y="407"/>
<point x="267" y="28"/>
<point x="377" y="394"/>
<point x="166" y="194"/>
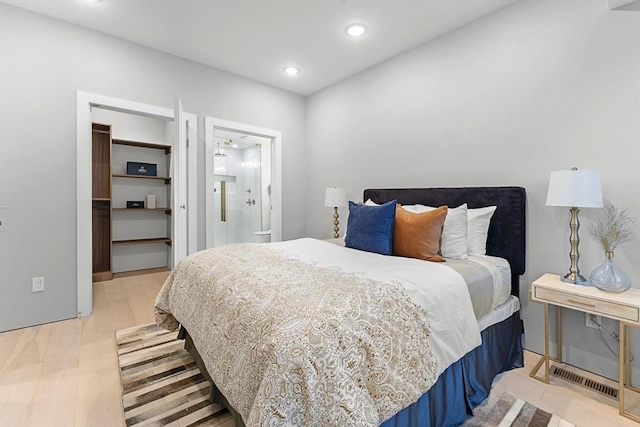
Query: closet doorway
<point x="180" y="127"/>
<point x="242" y="184"/>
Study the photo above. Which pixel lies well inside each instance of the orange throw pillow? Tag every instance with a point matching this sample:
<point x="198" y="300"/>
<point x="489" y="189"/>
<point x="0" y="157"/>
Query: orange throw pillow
<point x="419" y="235"/>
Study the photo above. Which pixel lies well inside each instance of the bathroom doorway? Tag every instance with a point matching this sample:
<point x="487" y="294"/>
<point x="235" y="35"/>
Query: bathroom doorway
<point x="241" y="193"/>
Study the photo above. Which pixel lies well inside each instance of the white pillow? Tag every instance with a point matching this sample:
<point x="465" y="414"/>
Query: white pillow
<point x="417" y="208"/>
<point x="478" y="229"/>
<point x="454" y="233"/>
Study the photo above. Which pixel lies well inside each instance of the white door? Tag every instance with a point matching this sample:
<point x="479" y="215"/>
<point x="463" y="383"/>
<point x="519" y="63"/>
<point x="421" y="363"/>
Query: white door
<point x="192" y="182"/>
<point x="179" y="184"/>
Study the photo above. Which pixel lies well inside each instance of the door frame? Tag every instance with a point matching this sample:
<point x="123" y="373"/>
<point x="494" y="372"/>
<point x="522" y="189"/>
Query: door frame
<point x="85" y="101"/>
<point x="276" y="170"/>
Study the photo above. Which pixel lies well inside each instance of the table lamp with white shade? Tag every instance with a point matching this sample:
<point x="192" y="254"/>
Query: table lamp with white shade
<point x="575" y="189"/>
<point x="335" y="197"/>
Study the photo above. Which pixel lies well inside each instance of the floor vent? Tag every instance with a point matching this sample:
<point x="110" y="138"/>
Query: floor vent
<point x="584" y="382"/>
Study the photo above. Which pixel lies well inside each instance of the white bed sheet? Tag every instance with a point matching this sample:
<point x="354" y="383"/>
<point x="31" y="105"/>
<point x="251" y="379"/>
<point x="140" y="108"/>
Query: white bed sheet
<point x="498" y="267"/>
<point x="440" y="290"/>
<point x="500" y="272"/>
<point x="500" y="313"/>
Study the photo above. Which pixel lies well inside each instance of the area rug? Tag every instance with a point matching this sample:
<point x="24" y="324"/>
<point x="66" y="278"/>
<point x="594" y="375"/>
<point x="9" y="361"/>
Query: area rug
<point x="501" y="409"/>
<point x="161" y="384"/>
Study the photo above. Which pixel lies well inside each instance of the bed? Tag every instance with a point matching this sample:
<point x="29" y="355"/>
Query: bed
<point x="281" y="378"/>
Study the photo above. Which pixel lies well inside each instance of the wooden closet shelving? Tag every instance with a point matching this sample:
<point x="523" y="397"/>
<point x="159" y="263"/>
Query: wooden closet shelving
<point x="165" y="240"/>
<point x="166" y="148"/>
<point x="101" y="202"/>
<point x="166" y="210"/>
<point x="102" y="199"/>
<point x="167" y="180"/>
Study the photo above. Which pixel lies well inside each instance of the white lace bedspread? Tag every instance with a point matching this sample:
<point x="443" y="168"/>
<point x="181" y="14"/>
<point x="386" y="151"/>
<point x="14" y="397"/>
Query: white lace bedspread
<point x="292" y="339"/>
<point x="438" y="289"/>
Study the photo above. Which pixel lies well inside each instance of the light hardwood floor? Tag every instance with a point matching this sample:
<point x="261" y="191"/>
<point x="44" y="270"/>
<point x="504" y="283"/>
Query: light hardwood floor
<point x="66" y="373"/>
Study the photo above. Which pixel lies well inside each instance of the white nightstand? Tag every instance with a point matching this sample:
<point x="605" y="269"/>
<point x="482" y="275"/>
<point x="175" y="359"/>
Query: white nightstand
<point x="625" y="307"/>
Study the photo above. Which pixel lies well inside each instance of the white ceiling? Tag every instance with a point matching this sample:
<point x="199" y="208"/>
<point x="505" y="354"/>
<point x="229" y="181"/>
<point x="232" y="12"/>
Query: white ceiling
<point x="257" y="38"/>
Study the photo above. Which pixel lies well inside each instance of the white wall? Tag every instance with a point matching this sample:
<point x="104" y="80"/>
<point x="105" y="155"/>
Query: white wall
<point x="132" y="127"/>
<point x="532" y="88"/>
<point x="43" y="63"/>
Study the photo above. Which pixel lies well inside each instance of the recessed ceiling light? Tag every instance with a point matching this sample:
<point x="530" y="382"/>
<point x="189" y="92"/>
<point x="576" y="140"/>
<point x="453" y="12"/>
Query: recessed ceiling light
<point x="91" y="1"/>
<point x="356" y="30"/>
<point x="235" y="145"/>
<point x="292" y="71"/>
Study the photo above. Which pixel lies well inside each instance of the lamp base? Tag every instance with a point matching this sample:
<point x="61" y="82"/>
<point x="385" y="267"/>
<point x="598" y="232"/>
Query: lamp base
<point x="573" y="276"/>
<point x="575" y="279"/>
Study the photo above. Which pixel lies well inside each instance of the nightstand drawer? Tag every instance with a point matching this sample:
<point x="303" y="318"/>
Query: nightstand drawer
<point x="605" y="308"/>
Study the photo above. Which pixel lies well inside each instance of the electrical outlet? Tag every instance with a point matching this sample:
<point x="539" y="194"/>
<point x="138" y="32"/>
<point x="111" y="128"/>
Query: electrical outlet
<point x="589" y="324"/>
<point x="37" y="284"/>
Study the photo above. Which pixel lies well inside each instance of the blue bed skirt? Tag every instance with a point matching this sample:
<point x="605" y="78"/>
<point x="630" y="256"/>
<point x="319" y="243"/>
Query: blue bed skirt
<point x="466" y="383"/>
<point x="460" y="388"/>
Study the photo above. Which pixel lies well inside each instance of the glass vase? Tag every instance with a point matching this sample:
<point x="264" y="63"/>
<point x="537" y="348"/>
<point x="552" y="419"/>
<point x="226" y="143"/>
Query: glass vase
<point x="609" y="277"/>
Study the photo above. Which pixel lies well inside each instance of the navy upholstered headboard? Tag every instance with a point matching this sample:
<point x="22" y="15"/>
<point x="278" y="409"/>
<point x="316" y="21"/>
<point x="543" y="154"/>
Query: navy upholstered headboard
<point x="506" y="231"/>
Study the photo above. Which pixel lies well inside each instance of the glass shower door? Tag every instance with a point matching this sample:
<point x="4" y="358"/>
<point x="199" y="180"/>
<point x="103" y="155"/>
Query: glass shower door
<point x="220" y="219"/>
<point x="223" y="183"/>
<point x="241" y="189"/>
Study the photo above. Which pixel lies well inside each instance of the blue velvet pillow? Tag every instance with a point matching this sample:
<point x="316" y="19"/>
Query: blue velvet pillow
<point x="371" y="227"/>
